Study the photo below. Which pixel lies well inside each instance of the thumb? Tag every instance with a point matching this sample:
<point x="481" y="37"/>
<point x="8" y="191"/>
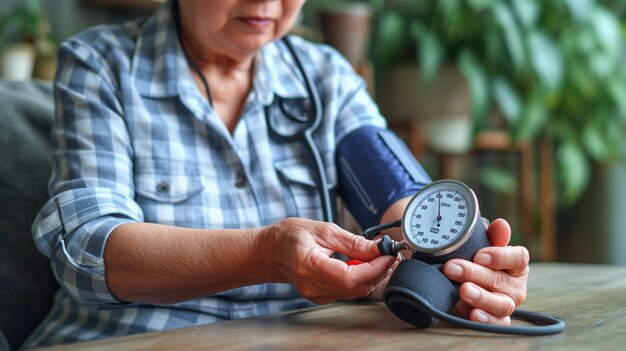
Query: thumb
<point x="353" y="246"/>
<point x="499" y="232"/>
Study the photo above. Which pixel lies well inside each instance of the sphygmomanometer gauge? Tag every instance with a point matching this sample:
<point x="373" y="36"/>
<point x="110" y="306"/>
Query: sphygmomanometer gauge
<point x="441" y="218"/>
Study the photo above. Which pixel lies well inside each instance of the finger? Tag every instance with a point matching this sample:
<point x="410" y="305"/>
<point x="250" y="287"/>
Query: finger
<point x="324" y="279"/>
<point x="351" y="245"/>
<point x="374" y="270"/>
<point x="495" y="281"/>
<point x="377" y="294"/>
<point x="462" y="271"/>
<point x="484" y="317"/>
<point x="349" y="278"/>
<point x="498" y="305"/>
<point x="499" y="232"/>
<point x="514" y="259"/>
<point x="383" y="280"/>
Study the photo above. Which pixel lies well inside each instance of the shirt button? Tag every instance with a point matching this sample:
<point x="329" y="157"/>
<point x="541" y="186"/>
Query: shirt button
<point x="240" y="180"/>
<point x="163" y="188"/>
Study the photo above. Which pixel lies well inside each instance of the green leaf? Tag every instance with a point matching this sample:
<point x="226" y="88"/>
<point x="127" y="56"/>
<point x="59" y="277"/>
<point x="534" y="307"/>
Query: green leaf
<point x="390" y="38"/>
<point x="608" y="42"/>
<point x="527" y="11"/>
<point x="507" y="99"/>
<point x="430" y="51"/>
<point x="580" y="9"/>
<point x="607" y="30"/>
<point x="594" y="140"/>
<point x="533" y="116"/>
<point x="617" y="91"/>
<point x="601" y="65"/>
<point x="478" y="83"/>
<point x="498" y="180"/>
<point x="512" y="34"/>
<point x="546" y="60"/>
<point x="574" y="170"/>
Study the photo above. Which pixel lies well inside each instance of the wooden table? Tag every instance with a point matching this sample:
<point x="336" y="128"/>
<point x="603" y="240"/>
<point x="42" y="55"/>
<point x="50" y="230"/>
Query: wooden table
<point x="591" y="299"/>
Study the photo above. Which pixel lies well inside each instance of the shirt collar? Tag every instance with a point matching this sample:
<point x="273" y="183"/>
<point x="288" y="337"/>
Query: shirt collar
<point x="160" y="69"/>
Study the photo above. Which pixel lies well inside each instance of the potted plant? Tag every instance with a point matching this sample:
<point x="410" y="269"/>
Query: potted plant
<point x="552" y="69"/>
<point x="345" y="25"/>
<point x="24" y="33"/>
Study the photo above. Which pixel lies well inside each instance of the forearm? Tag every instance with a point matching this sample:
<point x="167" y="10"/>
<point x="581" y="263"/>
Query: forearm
<point x="163" y="264"/>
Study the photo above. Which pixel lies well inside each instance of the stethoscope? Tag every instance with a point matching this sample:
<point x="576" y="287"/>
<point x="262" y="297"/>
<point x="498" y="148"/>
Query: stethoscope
<point x="309" y="123"/>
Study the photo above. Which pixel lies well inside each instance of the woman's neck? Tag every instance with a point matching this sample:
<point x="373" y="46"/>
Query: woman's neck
<point x="228" y="80"/>
<point x="223" y="77"/>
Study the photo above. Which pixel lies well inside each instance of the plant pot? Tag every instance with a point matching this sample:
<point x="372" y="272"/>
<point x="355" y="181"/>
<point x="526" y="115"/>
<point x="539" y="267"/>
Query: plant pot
<point x="17" y="61"/>
<point x="348" y="28"/>
<point x="449" y="135"/>
<point x="45" y="67"/>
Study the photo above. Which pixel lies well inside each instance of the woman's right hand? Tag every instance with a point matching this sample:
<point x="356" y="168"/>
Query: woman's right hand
<point x="299" y="251"/>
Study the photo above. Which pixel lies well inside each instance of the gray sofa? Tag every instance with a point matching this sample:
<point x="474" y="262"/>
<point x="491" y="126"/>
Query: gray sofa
<point x="27" y="284"/>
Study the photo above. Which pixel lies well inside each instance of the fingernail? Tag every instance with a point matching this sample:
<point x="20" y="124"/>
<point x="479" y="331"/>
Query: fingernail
<point x="481" y="317"/>
<point x="483" y="259"/>
<point x="472" y="293"/>
<point x="454" y="270"/>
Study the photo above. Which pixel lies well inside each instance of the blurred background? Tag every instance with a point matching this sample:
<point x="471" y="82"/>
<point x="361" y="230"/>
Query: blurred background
<point x="524" y="100"/>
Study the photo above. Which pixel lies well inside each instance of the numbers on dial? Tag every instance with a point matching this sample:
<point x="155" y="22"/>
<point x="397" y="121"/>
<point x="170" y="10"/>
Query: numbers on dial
<point x="438" y="216"/>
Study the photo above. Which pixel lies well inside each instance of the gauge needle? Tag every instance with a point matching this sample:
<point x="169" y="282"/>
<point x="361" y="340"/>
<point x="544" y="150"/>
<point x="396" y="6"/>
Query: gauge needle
<point x="439" y="210"/>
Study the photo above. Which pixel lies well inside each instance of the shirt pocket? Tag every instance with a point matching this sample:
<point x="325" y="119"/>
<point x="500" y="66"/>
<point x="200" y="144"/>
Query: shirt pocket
<point x="168" y="191"/>
<point x="303" y="195"/>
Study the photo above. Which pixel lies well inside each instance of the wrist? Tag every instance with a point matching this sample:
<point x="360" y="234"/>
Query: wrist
<point x="271" y="257"/>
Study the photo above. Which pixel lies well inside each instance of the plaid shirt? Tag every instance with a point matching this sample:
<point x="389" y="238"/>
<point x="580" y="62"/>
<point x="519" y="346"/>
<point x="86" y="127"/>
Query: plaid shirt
<point x="135" y="141"/>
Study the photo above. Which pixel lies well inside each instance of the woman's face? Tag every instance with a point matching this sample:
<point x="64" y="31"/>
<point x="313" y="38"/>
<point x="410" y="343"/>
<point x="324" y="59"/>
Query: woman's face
<point x="236" y="27"/>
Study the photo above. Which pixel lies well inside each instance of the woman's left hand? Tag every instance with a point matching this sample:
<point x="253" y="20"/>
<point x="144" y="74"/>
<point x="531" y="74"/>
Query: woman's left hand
<point x="494" y="284"/>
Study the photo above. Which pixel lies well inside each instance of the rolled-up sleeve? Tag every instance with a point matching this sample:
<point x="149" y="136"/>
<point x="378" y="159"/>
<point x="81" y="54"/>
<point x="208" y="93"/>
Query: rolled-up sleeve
<point x="91" y="188"/>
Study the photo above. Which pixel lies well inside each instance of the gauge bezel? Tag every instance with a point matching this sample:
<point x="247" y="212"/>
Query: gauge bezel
<point x="461" y="239"/>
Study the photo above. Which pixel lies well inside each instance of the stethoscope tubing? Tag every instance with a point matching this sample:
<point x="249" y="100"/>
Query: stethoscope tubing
<point x="546" y="325"/>
<point x="306" y="134"/>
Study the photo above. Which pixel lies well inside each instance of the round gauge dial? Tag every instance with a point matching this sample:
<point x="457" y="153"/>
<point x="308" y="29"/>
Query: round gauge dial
<point x="440" y="217"/>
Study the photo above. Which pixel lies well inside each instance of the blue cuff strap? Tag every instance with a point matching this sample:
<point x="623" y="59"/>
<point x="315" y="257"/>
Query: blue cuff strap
<point x="375" y="170"/>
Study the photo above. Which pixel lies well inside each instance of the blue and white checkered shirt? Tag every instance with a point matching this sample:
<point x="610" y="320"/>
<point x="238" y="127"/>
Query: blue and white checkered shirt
<point x="134" y="140"/>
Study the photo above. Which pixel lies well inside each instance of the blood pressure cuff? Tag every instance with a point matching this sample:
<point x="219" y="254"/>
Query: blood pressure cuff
<point x="376" y="169"/>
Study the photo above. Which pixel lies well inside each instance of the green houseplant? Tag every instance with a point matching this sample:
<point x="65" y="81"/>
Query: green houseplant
<point x="552" y="68"/>
<point x="24" y="33"/>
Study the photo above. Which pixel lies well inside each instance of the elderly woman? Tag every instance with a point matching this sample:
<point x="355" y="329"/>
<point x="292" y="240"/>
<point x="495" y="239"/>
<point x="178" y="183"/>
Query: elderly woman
<point x="173" y="202"/>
